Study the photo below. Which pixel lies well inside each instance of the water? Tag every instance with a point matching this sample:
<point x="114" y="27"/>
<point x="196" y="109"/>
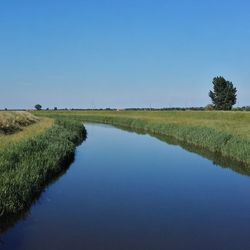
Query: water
<point x="130" y="191"/>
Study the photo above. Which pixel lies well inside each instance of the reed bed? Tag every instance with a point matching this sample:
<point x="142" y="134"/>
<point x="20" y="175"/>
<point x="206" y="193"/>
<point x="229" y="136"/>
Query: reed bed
<point x="27" y="166"/>
<point x="224" y="133"/>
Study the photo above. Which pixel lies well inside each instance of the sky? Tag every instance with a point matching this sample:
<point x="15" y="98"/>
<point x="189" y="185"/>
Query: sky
<point x="121" y="53"/>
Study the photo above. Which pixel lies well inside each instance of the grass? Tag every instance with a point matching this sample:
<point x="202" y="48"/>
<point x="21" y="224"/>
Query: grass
<point x="29" y="163"/>
<point x="16" y="126"/>
<point x="35" y="129"/>
<point x="223" y="133"/>
<point x="11" y="122"/>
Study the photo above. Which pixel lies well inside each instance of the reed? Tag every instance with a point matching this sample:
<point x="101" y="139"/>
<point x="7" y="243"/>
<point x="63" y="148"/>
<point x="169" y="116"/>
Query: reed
<point x="224" y="133"/>
<point x="28" y="165"/>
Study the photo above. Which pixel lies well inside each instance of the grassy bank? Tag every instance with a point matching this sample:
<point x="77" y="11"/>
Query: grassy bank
<point x="224" y="133"/>
<point x="26" y="166"/>
<point x="35" y="129"/>
<point x="11" y="122"/>
<point x="18" y="126"/>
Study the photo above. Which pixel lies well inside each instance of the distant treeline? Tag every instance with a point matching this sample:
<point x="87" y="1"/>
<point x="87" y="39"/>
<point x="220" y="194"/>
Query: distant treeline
<point x="208" y="107"/>
<point x="245" y="108"/>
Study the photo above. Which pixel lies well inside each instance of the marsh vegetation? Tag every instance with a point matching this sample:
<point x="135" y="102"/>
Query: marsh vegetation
<point x="225" y="133"/>
<point x="34" y="157"/>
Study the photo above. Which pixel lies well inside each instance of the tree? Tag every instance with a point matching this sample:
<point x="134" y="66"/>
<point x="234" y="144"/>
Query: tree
<point x="224" y="94"/>
<point x="38" y="107"/>
<point x="209" y="107"/>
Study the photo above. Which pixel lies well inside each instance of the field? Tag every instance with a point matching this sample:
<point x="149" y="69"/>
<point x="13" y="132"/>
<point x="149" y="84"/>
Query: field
<point x="225" y="133"/>
<point x="35" y="152"/>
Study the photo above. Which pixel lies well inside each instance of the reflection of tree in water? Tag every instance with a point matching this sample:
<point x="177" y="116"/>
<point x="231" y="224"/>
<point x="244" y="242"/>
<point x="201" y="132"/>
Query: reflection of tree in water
<point x="216" y="158"/>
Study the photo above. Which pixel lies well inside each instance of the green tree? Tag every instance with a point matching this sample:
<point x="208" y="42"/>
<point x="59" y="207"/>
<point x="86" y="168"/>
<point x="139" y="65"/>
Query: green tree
<point x="38" y="107"/>
<point x="223" y="95"/>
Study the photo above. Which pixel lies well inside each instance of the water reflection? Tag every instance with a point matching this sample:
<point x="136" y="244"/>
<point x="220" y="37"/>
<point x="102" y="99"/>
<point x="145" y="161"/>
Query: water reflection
<point x="216" y="158"/>
<point x="126" y="191"/>
<point x="8" y="221"/>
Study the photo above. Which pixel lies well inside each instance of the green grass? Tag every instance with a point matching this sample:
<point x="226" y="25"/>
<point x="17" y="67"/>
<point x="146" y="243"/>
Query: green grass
<point x="26" y="166"/>
<point x="20" y="125"/>
<point x="31" y="131"/>
<point x="224" y="133"/>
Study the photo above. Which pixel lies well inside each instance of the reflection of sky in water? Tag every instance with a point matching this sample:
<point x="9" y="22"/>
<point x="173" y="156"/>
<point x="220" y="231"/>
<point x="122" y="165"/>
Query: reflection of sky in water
<point x="129" y="191"/>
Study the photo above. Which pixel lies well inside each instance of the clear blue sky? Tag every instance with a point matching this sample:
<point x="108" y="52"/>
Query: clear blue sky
<point x="121" y="53"/>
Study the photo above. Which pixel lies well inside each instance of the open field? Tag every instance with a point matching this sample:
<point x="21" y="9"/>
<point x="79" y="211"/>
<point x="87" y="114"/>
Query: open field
<point x="226" y="133"/>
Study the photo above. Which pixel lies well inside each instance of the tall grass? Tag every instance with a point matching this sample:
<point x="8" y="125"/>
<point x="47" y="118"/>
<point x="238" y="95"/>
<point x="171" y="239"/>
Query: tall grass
<point x="13" y="121"/>
<point x="224" y="133"/>
<point x="27" y="166"/>
<point x="33" y="130"/>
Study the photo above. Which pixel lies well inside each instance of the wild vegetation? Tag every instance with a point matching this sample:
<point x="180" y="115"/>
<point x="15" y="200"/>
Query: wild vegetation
<point x="224" y="133"/>
<point x="11" y="122"/>
<point x="35" y="129"/>
<point x="26" y="166"/>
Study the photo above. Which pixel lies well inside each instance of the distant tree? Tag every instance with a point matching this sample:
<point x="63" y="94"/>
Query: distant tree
<point x="5" y="109"/>
<point x="38" y="107"/>
<point x="55" y="108"/>
<point x="223" y="95"/>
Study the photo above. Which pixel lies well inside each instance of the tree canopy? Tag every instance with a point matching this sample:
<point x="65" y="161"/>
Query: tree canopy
<point x="224" y="94"/>
<point x="38" y="106"/>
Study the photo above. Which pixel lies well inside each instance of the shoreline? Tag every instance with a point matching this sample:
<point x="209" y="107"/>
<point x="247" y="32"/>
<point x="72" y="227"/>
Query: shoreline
<point x="28" y="166"/>
<point x="215" y="141"/>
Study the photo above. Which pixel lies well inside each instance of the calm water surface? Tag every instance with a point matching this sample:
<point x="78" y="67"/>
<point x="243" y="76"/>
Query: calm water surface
<point x="130" y="191"/>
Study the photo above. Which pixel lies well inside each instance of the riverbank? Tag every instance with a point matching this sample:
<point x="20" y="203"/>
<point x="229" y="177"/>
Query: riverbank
<point x="224" y="133"/>
<point x="28" y="165"/>
<point x="123" y="186"/>
<point x="16" y="126"/>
